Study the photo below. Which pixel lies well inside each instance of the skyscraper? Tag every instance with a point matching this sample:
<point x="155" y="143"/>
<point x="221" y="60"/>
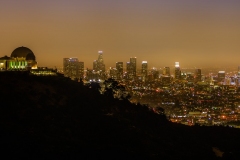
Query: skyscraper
<point x="113" y="73"/>
<point x="101" y="65"/>
<point x="144" y="70"/>
<point x="95" y="65"/>
<point x="72" y="68"/>
<point x="133" y="62"/>
<point x="128" y="69"/>
<point x="154" y="73"/>
<point x="177" y="71"/>
<point x="198" y="75"/>
<point x="81" y="70"/>
<point x="98" y="65"/>
<point x="166" y="71"/>
<point x="221" y="76"/>
<point x="132" y="68"/>
<point x="119" y="67"/>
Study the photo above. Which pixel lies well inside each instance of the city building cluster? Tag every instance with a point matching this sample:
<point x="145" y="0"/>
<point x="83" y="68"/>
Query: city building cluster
<point x="184" y="96"/>
<point x="187" y="97"/>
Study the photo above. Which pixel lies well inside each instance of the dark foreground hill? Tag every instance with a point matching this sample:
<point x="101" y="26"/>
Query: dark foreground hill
<point x="56" y="118"/>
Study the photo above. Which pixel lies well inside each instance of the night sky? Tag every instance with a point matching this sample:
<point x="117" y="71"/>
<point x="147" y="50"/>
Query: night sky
<point x="197" y="33"/>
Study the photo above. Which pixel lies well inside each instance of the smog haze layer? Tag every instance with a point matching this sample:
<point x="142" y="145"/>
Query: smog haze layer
<point x="195" y="33"/>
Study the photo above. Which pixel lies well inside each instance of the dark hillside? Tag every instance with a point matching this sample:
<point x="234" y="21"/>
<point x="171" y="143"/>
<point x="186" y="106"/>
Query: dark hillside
<point x="54" y="117"/>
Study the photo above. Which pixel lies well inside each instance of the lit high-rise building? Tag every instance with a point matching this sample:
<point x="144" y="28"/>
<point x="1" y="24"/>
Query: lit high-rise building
<point x="144" y="68"/>
<point x="113" y="73"/>
<point x="101" y="65"/>
<point x="95" y="65"/>
<point x="198" y="75"/>
<point x="221" y="76"/>
<point x="73" y="68"/>
<point x="154" y="73"/>
<point x="119" y="67"/>
<point x="133" y="66"/>
<point x="166" y="71"/>
<point x="81" y="70"/>
<point x="98" y="65"/>
<point x="128" y="69"/>
<point x="177" y="71"/>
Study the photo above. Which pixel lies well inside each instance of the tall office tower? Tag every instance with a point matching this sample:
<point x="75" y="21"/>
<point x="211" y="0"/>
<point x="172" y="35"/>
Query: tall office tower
<point x="198" y="75"/>
<point x="128" y="69"/>
<point x="177" y="71"/>
<point x="128" y="66"/>
<point x="144" y="70"/>
<point x="98" y="65"/>
<point x="65" y="66"/>
<point x="119" y="67"/>
<point x="113" y="73"/>
<point x="95" y="65"/>
<point x="221" y="76"/>
<point x="166" y="71"/>
<point x="154" y="73"/>
<point x="72" y="68"/>
<point x="81" y="70"/>
<point x="133" y="66"/>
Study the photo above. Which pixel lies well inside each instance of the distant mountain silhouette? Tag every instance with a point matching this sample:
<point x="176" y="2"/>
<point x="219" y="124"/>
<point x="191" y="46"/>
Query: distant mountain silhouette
<point x="57" y="118"/>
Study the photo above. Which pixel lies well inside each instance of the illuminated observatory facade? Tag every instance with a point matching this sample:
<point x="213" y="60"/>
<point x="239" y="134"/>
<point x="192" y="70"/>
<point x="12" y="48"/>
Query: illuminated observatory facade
<point x="22" y="58"/>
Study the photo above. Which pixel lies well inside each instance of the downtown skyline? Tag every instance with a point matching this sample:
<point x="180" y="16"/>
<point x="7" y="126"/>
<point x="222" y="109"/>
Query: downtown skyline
<point x="194" y="33"/>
